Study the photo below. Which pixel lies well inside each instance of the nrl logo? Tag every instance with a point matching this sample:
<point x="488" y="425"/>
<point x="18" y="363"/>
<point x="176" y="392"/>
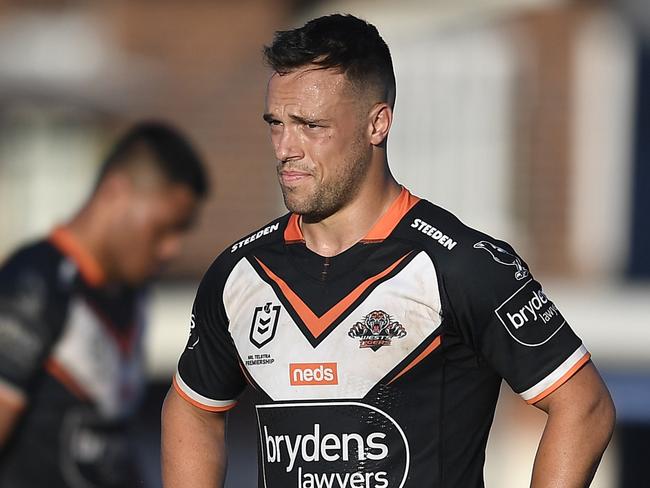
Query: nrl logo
<point x="376" y="330"/>
<point x="265" y="321"/>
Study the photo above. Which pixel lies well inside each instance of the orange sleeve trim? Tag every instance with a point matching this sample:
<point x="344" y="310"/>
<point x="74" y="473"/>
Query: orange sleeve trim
<point x="428" y="350"/>
<point x="68" y="244"/>
<point x="200" y="405"/>
<point x="574" y="369"/>
<point x="59" y="373"/>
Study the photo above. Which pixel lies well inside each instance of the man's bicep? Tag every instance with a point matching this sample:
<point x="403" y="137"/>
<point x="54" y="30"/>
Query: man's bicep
<point x="584" y="388"/>
<point x="12" y="402"/>
<point x="193" y="444"/>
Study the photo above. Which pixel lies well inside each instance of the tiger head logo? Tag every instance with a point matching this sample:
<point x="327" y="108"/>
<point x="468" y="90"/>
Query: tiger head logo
<point x="377" y="329"/>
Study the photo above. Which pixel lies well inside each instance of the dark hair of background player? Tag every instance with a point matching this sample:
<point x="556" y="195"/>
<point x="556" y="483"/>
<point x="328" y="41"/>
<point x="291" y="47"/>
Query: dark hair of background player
<point x="173" y="155"/>
<point x="336" y="41"/>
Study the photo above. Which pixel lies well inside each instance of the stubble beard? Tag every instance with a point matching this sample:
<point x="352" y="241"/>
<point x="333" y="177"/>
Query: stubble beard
<point x="330" y="197"/>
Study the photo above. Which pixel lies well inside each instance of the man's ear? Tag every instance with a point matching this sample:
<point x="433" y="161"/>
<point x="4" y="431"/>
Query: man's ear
<point x="381" y="118"/>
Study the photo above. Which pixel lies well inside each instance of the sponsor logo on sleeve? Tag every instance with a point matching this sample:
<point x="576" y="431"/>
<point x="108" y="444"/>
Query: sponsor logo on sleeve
<point x="377" y="329"/>
<point x="333" y="445"/>
<point x="253" y="237"/>
<point x="437" y="235"/>
<point x="529" y="316"/>
<point x="504" y="257"/>
<point x="265" y="322"/>
<point x="194" y="335"/>
<point x="313" y="374"/>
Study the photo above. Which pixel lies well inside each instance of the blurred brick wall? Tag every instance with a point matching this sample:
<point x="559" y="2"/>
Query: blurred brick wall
<point x="212" y="82"/>
<point x="545" y="41"/>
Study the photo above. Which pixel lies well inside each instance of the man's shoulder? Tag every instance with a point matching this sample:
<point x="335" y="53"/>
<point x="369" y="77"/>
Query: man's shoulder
<point x="39" y="258"/>
<point x="268" y="234"/>
<point x="462" y="254"/>
<point x="35" y="283"/>
<point x="437" y="230"/>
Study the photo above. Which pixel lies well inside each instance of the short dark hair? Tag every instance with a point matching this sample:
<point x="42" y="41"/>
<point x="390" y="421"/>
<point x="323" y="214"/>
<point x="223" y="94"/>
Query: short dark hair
<point x="174" y="155"/>
<point x="336" y="41"/>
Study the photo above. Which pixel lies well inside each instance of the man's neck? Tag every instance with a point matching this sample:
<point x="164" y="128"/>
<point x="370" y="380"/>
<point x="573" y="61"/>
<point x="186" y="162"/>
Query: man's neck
<point x="343" y="229"/>
<point x="87" y="230"/>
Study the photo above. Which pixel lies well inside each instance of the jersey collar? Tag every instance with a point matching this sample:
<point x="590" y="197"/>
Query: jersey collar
<point x="69" y="245"/>
<point x="380" y="231"/>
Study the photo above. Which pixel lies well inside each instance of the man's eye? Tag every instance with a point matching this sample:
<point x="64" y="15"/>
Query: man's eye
<point x="312" y="126"/>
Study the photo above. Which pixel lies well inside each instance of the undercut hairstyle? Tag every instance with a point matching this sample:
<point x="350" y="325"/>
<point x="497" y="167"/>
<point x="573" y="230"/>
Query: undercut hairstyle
<point x="343" y="42"/>
<point x="173" y="155"/>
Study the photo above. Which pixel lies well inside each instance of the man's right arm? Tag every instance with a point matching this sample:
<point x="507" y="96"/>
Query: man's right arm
<point x="193" y="445"/>
<point x="12" y="404"/>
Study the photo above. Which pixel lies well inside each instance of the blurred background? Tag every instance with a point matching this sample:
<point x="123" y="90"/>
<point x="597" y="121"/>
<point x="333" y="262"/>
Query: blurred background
<point x="529" y="119"/>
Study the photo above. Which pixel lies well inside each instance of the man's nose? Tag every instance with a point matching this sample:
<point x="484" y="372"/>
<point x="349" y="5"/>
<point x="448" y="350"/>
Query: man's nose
<point x="288" y="145"/>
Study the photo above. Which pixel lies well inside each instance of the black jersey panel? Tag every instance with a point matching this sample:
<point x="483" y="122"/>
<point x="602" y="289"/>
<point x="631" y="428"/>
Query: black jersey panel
<point x="33" y="303"/>
<point x="209" y="364"/>
<point x="492" y="299"/>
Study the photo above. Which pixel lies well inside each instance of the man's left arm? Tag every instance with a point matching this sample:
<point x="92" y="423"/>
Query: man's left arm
<point x="580" y="422"/>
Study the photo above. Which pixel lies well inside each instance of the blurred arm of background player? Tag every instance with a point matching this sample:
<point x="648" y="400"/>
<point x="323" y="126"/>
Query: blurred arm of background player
<point x="193" y="445"/>
<point x="12" y="403"/>
<point x="579" y="426"/>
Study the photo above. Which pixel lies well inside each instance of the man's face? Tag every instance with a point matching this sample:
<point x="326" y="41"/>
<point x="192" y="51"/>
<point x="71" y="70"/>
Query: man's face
<point x="151" y="230"/>
<point x="319" y="131"/>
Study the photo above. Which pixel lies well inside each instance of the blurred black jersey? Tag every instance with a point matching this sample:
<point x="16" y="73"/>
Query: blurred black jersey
<point x="379" y="367"/>
<point x="70" y="349"/>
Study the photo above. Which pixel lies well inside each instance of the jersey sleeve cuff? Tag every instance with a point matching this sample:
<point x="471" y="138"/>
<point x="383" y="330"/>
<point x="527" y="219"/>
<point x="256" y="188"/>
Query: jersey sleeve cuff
<point x="198" y="400"/>
<point x="557" y="377"/>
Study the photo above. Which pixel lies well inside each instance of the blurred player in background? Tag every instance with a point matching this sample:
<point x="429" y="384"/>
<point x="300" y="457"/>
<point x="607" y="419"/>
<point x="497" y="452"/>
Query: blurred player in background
<point x="374" y="327"/>
<point x="71" y="317"/>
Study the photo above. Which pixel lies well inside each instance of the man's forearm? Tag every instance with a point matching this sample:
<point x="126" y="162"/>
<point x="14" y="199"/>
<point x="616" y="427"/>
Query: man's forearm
<point x="193" y="445"/>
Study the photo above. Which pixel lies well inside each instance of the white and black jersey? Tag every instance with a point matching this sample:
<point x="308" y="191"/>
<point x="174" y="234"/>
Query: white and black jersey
<point x="379" y="367"/>
<point x="70" y="348"/>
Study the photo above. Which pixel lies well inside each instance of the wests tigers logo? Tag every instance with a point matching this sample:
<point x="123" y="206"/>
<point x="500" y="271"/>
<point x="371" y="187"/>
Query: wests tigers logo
<point x="377" y="329"/>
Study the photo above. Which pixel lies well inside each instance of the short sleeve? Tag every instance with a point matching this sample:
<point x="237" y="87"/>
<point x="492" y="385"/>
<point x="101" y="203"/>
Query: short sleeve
<point x="209" y="374"/>
<point x="26" y="333"/>
<point x="504" y="314"/>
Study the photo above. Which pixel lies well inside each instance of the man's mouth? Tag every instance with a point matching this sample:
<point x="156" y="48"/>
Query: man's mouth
<point x="288" y="177"/>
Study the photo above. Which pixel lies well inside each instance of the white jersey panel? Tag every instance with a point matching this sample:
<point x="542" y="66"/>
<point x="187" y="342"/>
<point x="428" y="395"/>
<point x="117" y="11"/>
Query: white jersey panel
<point x="89" y="353"/>
<point x="285" y="364"/>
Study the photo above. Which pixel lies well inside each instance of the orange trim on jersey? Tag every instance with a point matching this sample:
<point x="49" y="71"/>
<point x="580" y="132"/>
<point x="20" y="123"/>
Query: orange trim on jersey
<point x="59" y="373"/>
<point x="398" y="209"/>
<point x="200" y="405"/>
<point x="293" y="233"/>
<point x="428" y="350"/>
<point x="574" y="369"/>
<point x="317" y="325"/>
<point x="68" y="244"/>
<point x="380" y="231"/>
